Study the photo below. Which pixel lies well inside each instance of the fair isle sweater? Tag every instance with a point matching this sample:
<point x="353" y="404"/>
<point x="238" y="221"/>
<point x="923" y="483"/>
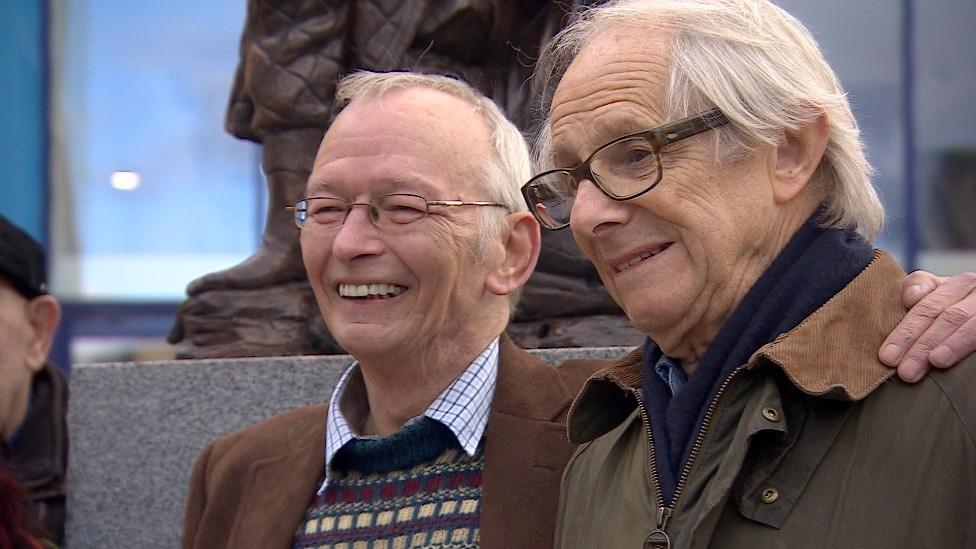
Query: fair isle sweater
<point x="414" y="488"/>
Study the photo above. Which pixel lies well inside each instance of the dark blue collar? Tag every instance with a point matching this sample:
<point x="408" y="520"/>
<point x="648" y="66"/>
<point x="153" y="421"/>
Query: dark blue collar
<point x="815" y="264"/>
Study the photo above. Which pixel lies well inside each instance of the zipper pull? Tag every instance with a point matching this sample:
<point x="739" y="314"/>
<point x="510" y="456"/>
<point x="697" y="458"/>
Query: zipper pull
<point x="658" y="539"/>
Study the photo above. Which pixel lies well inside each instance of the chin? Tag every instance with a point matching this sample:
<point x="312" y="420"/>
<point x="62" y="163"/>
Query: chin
<point x="357" y="338"/>
<point x="656" y="312"/>
<point x="363" y="350"/>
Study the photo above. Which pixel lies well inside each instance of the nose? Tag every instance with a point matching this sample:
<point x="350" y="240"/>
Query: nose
<point x="594" y="211"/>
<point x="357" y="236"/>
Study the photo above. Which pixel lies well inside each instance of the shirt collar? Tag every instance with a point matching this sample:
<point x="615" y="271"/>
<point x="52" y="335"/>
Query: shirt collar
<point x="670" y="371"/>
<point x="463" y="406"/>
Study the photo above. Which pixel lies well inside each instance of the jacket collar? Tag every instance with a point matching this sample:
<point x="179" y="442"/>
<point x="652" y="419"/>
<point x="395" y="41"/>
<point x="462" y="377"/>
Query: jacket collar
<point x="39" y="455"/>
<point x="816" y="356"/>
<point x="282" y="484"/>
<point x="518" y="373"/>
<point x="834" y="352"/>
<point x="525" y="451"/>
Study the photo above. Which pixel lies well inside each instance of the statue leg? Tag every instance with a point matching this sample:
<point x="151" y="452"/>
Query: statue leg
<point x="287" y="158"/>
<point x="263" y="306"/>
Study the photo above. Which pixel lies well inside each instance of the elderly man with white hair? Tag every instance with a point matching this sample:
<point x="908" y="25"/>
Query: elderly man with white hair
<point x="709" y="165"/>
<point x="443" y="433"/>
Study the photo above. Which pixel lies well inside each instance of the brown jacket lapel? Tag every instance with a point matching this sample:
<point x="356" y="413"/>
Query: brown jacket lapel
<point x="280" y="490"/>
<point x="525" y="449"/>
<point x="250" y="489"/>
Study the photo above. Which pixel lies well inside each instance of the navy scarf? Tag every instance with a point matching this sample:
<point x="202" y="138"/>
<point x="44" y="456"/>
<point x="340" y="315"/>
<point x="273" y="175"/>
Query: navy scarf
<point x="815" y="264"/>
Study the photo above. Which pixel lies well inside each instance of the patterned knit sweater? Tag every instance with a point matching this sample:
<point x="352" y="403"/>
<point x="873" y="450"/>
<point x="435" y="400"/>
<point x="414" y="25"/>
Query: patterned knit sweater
<point x="414" y="488"/>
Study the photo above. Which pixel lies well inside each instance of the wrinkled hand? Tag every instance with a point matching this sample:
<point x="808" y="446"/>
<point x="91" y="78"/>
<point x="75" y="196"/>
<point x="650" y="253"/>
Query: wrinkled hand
<point x="940" y="328"/>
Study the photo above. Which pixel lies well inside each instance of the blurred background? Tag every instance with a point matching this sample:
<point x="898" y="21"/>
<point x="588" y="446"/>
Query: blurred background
<point x="115" y="158"/>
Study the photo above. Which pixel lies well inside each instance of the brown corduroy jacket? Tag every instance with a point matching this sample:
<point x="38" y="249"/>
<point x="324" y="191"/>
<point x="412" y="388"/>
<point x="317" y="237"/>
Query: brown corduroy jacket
<point x="812" y="443"/>
<point x="250" y="489"/>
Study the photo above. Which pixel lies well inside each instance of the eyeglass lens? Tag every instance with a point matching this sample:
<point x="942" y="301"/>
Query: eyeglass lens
<point x="390" y="209"/>
<point x="622" y="169"/>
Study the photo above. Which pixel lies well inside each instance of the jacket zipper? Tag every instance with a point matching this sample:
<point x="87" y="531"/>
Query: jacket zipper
<point x="658" y="538"/>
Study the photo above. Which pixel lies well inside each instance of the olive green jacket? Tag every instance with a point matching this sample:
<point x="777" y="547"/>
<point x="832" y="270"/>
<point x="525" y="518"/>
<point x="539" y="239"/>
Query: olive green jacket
<point x="812" y="443"/>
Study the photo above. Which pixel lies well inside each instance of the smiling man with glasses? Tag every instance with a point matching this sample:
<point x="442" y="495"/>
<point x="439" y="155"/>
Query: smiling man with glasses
<point x="736" y="235"/>
<point x="442" y="433"/>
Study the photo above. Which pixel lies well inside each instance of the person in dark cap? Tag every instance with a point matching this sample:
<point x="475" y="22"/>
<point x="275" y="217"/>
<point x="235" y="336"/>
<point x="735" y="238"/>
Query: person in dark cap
<point x="33" y="392"/>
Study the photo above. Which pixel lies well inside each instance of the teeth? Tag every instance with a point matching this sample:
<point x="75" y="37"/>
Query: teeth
<point x="637" y="260"/>
<point x="641" y="257"/>
<point x="370" y="290"/>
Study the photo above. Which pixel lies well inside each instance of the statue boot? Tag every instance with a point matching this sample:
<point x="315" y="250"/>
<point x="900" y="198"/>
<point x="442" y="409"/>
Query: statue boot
<point x="263" y="306"/>
<point x="287" y="158"/>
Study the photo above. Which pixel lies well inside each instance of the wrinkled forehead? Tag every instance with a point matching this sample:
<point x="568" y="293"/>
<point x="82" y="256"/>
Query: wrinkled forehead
<point x="411" y="131"/>
<point x="616" y="57"/>
<point x="615" y="85"/>
<point x="423" y="122"/>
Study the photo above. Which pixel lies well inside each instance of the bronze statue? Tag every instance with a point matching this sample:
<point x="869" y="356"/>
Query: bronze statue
<point x="291" y="54"/>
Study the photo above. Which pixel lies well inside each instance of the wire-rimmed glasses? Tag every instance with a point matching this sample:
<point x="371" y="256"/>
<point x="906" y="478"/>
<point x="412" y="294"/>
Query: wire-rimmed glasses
<point x="385" y="210"/>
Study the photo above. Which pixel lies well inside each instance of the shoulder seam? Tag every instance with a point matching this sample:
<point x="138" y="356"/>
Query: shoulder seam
<point x="966" y="427"/>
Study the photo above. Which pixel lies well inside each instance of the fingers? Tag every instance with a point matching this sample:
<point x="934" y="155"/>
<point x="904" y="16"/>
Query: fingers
<point x="957" y="346"/>
<point x="941" y="320"/>
<point x="917" y="285"/>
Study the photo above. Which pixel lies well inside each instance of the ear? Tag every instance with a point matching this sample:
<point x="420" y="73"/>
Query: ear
<point x="521" y="252"/>
<point x="798" y="158"/>
<point x="43" y="313"/>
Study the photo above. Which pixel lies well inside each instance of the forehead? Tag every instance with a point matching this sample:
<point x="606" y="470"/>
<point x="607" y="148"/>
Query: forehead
<point x="407" y="140"/>
<point x="615" y="85"/>
<point x="12" y="304"/>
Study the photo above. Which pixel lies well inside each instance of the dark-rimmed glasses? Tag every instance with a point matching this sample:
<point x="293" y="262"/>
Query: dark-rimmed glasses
<point x="385" y="210"/>
<point x="624" y="168"/>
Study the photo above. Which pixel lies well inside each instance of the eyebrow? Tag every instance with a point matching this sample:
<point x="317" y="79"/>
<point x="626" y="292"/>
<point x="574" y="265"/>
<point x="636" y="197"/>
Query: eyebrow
<point x="605" y="129"/>
<point x="387" y="186"/>
<point x="561" y="157"/>
<point x="319" y="188"/>
<point x="410" y="185"/>
<point x="611" y="128"/>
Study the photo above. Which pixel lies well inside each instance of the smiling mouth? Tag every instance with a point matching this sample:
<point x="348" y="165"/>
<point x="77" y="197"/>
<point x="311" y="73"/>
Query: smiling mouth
<point x="370" y="291"/>
<point x="620" y="267"/>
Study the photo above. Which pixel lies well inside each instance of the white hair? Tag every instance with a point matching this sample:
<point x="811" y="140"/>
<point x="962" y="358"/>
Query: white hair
<point x="511" y="164"/>
<point x="504" y="171"/>
<point x="755" y="62"/>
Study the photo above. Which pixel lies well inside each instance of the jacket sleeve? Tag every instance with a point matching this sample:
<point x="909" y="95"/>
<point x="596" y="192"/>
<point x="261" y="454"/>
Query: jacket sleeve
<point x="197" y="499"/>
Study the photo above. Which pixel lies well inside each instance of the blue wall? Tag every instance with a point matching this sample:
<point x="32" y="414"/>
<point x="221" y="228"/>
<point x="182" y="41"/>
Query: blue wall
<point x="23" y="65"/>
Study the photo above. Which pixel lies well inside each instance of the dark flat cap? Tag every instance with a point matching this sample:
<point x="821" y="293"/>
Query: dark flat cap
<point x="21" y="260"/>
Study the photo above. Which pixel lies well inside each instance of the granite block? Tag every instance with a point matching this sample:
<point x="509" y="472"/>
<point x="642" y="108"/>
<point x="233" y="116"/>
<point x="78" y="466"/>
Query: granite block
<point x="136" y="429"/>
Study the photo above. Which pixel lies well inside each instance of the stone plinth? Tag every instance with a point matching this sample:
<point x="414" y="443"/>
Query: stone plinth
<point x="136" y="429"/>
